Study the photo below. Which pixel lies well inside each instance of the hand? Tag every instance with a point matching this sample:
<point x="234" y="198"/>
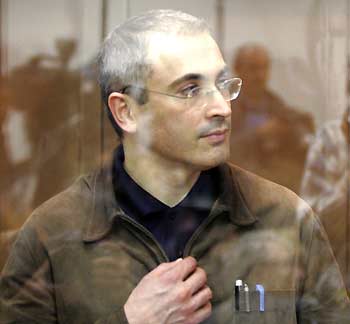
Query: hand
<point x="173" y="293"/>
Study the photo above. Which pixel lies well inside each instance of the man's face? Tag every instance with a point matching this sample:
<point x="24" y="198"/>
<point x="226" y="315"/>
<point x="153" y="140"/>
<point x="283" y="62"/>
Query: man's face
<point x="197" y="137"/>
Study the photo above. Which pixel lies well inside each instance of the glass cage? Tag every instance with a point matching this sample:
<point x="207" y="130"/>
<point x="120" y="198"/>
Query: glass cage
<point x="290" y="123"/>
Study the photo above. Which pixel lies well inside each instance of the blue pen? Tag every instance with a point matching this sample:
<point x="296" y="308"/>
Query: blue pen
<point x="261" y="291"/>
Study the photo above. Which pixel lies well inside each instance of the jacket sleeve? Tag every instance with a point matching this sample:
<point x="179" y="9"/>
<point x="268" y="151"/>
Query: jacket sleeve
<point x="323" y="297"/>
<point x="117" y="317"/>
<point x="27" y="287"/>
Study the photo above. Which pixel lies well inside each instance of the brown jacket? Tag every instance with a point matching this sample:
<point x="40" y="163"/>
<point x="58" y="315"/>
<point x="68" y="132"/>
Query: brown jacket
<point x="78" y="257"/>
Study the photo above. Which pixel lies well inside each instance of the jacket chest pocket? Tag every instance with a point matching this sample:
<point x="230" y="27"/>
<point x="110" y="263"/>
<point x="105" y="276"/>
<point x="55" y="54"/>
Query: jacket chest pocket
<point x="274" y="307"/>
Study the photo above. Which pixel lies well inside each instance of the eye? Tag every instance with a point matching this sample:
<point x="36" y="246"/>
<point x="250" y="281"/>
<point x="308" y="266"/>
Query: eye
<point x="190" y="90"/>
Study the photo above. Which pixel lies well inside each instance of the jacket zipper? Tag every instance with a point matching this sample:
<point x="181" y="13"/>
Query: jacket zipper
<point x="199" y="231"/>
<point x="145" y="231"/>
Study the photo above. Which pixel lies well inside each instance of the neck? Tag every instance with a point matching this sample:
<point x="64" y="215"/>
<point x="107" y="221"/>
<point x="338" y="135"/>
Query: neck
<point x="168" y="181"/>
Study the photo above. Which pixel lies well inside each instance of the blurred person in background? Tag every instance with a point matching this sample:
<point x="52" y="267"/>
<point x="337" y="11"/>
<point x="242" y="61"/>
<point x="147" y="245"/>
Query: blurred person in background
<point x="5" y="167"/>
<point x="269" y="138"/>
<point x="326" y="181"/>
<point x="5" y="160"/>
<point x="15" y="178"/>
<point x="49" y="100"/>
<point x="37" y="128"/>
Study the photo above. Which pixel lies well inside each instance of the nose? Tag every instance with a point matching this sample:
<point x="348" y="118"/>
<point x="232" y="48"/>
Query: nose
<point x="218" y="106"/>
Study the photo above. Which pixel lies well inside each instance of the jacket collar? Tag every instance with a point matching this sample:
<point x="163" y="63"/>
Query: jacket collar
<point x="232" y="197"/>
<point x="105" y="210"/>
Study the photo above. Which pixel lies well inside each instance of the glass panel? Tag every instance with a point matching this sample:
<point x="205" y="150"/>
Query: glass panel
<point x="94" y="244"/>
<point x="290" y="122"/>
<point x="50" y="121"/>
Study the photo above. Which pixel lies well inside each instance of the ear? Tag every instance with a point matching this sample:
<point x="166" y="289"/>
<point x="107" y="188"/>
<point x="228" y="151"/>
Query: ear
<point x="121" y="110"/>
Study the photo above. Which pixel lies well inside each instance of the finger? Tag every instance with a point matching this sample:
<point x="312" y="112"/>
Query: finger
<point x="197" y="280"/>
<point x="177" y="270"/>
<point x="181" y="268"/>
<point x="201" y="314"/>
<point x="200" y="299"/>
<point x="165" y="266"/>
<point x="185" y="267"/>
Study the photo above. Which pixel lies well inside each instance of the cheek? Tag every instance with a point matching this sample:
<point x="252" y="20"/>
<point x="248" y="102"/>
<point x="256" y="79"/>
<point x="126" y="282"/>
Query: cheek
<point x="182" y="128"/>
<point x="172" y="120"/>
<point x="145" y="129"/>
<point x="167" y="130"/>
<point x="173" y="135"/>
<point x="170" y="124"/>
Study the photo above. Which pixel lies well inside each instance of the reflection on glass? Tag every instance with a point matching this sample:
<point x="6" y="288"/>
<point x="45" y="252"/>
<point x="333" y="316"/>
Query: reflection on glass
<point x="268" y="137"/>
<point x="39" y="127"/>
<point x="326" y="180"/>
<point x="108" y="247"/>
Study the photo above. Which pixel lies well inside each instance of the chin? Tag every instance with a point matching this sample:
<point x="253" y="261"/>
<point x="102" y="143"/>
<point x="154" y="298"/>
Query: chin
<point x="211" y="160"/>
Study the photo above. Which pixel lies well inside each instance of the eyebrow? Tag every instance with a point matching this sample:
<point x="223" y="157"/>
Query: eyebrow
<point x="196" y="77"/>
<point x="186" y="77"/>
<point x="224" y="72"/>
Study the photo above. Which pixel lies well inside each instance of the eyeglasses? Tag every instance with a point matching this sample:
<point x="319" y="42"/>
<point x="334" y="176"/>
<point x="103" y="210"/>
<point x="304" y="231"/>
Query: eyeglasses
<point x="197" y="96"/>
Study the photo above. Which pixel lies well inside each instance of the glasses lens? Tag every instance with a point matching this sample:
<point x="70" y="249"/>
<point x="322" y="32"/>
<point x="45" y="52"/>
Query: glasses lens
<point x="230" y="91"/>
<point x="234" y="87"/>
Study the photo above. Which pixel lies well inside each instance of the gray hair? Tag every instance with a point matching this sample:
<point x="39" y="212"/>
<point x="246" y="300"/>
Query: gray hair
<point x="123" y="58"/>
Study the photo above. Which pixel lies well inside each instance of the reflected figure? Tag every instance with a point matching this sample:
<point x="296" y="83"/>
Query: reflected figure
<point x="5" y="172"/>
<point x="38" y="127"/>
<point x="326" y="180"/>
<point x="16" y="152"/>
<point x="5" y="160"/>
<point x="268" y="137"/>
<point x="48" y="100"/>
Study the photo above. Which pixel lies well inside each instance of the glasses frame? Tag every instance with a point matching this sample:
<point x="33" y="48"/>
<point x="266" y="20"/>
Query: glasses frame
<point x="205" y="93"/>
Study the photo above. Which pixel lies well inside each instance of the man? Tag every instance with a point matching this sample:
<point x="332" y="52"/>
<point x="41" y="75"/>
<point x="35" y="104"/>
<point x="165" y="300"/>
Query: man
<point x="165" y="232"/>
<point x="268" y="137"/>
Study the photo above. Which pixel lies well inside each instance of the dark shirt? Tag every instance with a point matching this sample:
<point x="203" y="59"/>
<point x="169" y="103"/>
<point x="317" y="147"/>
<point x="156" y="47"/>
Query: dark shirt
<point x="172" y="227"/>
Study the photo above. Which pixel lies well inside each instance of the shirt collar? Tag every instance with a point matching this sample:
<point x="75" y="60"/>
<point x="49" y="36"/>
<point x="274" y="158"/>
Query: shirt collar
<point x="105" y="209"/>
<point x="134" y="200"/>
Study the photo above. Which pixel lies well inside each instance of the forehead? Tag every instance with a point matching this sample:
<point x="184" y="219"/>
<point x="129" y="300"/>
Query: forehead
<point x="173" y="56"/>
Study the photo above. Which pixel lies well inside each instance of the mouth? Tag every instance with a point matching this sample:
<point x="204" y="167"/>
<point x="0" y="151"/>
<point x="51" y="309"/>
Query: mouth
<point x="216" y="136"/>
